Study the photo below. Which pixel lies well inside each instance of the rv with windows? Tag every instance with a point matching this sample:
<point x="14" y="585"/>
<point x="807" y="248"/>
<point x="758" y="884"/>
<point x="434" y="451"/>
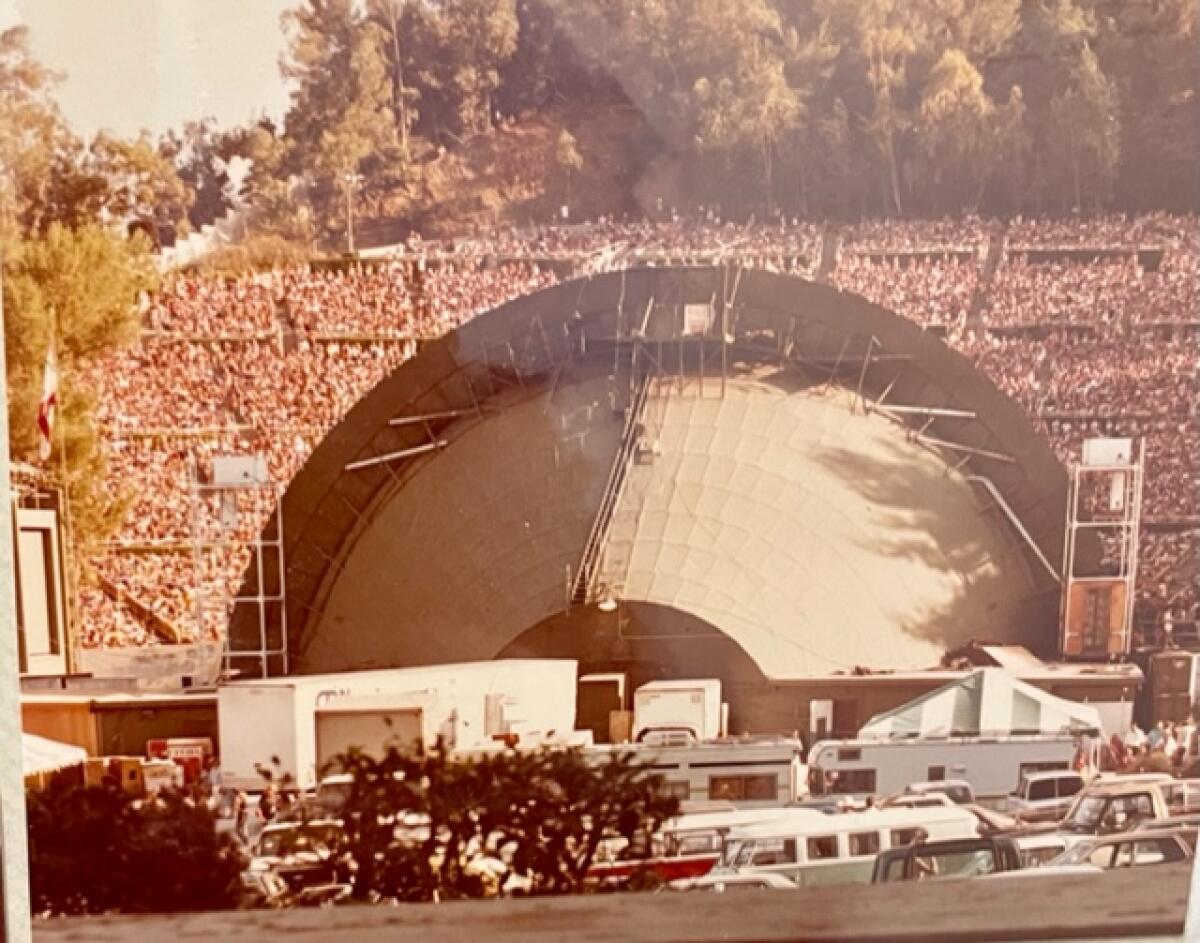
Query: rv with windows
<point x="746" y="772"/>
<point x="993" y="766"/>
<point x="812" y="849"/>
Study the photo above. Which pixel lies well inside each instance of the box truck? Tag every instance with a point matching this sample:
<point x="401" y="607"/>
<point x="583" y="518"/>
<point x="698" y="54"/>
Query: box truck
<point x="293" y="726"/>
<point x="682" y="709"/>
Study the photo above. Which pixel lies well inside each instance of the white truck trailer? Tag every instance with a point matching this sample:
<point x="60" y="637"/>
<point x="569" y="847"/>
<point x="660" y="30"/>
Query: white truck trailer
<point x="866" y="768"/>
<point x="294" y="725"/>
<point x="690" y="708"/>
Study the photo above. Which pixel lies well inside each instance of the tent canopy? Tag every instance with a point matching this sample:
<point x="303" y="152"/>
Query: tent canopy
<point x="988" y="701"/>
<point x="39" y="755"/>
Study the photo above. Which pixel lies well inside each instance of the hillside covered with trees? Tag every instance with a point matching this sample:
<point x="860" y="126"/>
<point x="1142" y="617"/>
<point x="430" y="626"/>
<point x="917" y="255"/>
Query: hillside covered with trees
<point x="808" y="107"/>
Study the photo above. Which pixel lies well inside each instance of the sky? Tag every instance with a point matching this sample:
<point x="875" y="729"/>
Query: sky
<point x="130" y="65"/>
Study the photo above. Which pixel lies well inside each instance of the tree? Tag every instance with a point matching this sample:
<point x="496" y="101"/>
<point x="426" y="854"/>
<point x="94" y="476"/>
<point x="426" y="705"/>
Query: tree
<point x="1087" y="130"/>
<point x="1012" y="146"/>
<point x="80" y="287"/>
<point x="275" y="197"/>
<point x="395" y="19"/>
<point x="479" y="36"/>
<point x="958" y="129"/>
<point x="341" y="112"/>
<point x="567" y="156"/>
<point x="544" y="812"/>
<point x="140" y="183"/>
<point x="32" y="132"/>
<point x="159" y="855"/>
<point x="196" y="154"/>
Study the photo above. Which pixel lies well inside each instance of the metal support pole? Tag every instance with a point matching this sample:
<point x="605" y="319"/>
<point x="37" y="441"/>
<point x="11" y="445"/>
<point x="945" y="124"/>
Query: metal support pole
<point x="862" y="376"/>
<point x="14" y="850"/>
<point x="837" y="364"/>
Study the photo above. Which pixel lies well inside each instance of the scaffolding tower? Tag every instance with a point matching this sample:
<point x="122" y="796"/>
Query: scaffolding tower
<point x="230" y="503"/>
<point x="1100" y="556"/>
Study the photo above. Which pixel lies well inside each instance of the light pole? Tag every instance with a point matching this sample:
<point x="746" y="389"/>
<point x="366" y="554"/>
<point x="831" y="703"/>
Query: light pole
<point x="14" y="844"/>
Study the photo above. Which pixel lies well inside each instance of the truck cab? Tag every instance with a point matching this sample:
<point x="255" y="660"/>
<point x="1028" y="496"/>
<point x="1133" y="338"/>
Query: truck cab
<point x="957" y="858"/>
<point x="1119" y="803"/>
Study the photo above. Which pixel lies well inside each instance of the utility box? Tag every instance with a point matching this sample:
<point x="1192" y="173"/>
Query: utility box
<point x="1174" y="685"/>
<point x="124" y="771"/>
<point x="190" y="753"/>
<point x="158" y="775"/>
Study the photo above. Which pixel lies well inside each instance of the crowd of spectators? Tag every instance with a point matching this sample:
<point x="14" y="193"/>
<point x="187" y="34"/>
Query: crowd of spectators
<point x="790" y="245"/>
<point x="268" y="363"/>
<point x="968" y="232"/>
<point x="928" y="289"/>
<point x="1062" y="291"/>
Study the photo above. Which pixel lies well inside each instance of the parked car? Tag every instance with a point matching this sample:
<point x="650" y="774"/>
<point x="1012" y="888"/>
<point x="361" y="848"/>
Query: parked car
<point x="1040" y="847"/>
<point x="1045" y="796"/>
<point x="958" y="790"/>
<point x="724" y="883"/>
<point x="927" y="800"/>
<point x="957" y="858"/>
<point x="303" y="854"/>
<point x="1114" y="804"/>
<point x="1132" y="849"/>
<point x="1187" y="825"/>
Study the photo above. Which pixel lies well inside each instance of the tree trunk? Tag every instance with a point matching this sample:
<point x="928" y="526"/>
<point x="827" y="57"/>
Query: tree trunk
<point x="399" y="108"/>
<point x="1075" y="168"/>
<point x="768" y="175"/>
<point x="894" y="174"/>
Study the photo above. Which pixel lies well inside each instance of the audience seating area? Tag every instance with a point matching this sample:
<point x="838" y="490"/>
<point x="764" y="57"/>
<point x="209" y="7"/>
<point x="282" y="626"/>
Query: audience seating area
<point x="1090" y="324"/>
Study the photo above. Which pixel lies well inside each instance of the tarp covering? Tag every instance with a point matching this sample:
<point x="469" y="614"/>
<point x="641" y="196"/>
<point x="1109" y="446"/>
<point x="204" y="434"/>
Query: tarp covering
<point x="988" y="701"/>
<point x="39" y="755"/>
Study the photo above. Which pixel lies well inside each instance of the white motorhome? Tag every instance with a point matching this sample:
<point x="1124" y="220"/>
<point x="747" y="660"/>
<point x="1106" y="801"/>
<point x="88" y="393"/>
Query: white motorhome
<point x="748" y="772"/>
<point x="993" y="766"/>
<point x="813" y="849"/>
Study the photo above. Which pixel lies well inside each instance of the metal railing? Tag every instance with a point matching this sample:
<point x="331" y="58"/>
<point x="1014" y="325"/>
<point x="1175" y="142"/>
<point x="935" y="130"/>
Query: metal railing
<point x="593" y="550"/>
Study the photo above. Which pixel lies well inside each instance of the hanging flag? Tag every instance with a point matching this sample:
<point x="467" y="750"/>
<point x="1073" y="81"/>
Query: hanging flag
<point x="48" y="406"/>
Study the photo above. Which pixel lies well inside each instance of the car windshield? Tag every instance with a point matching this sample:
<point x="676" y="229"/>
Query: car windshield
<point x="290" y="841"/>
<point x="1078" y="854"/>
<point x="333" y="796"/>
<point x="1087" y="814"/>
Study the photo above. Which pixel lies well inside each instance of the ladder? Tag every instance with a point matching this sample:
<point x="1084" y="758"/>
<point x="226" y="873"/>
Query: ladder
<point x="593" y="550"/>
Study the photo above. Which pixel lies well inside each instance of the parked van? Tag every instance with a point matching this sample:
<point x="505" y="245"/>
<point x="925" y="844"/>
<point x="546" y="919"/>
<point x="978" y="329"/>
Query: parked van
<point x="1045" y="796"/>
<point x="815" y="850"/>
<point x="687" y="846"/>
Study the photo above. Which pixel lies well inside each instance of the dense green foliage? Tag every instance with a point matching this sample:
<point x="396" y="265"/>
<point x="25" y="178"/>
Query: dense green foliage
<point x="543" y="812"/>
<point x="814" y="107"/>
<point x="71" y="276"/>
<point x="99" y="850"/>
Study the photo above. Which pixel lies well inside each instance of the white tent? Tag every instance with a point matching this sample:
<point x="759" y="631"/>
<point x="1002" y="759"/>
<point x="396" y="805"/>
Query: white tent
<point x="988" y="701"/>
<point x="39" y="755"/>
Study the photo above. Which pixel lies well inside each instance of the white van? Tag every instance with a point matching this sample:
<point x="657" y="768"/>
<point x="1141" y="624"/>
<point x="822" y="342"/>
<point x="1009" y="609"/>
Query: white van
<point x="835" y="849"/>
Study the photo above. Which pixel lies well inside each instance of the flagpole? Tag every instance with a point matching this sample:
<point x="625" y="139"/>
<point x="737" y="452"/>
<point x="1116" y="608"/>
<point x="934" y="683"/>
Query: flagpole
<point x="68" y="529"/>
<point x="14" y="841"/>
